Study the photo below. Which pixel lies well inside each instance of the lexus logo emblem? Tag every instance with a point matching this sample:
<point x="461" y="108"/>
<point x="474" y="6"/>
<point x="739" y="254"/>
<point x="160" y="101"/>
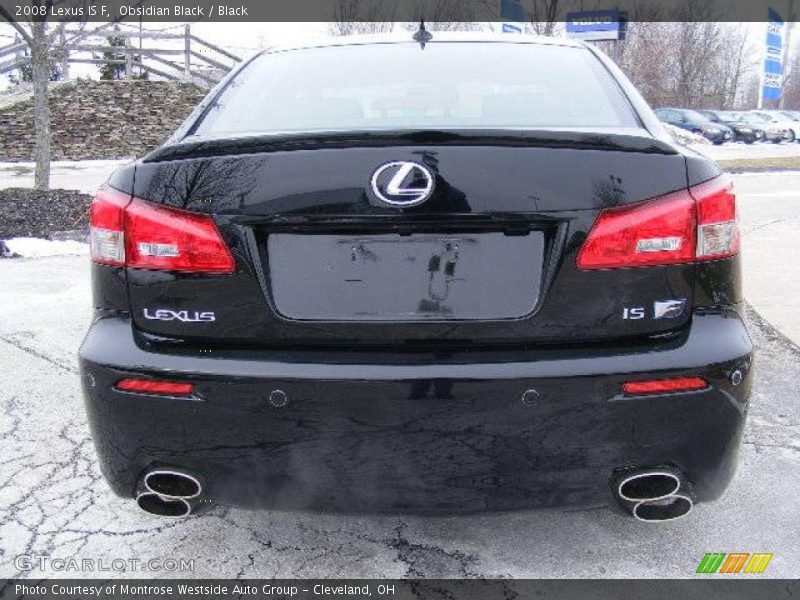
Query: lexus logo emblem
<point x="402" y="183"/>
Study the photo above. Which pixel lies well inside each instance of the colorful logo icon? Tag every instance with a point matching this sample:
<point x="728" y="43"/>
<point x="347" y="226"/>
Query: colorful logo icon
<point x="734" y="562"/>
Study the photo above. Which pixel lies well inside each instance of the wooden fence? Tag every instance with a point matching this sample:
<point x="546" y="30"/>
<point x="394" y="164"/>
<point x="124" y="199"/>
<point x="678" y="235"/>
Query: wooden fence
<point x="197" y="61"/>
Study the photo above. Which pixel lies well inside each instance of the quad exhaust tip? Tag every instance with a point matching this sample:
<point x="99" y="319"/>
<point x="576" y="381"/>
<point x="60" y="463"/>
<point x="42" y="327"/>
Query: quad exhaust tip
<point x="654" y="495"/>
<point x="648" y="485"/>
<point x="168" y="493"/>
<point x="163" y="507"/>
<point x="173" y="484"/>
<point x="668" y="508"/>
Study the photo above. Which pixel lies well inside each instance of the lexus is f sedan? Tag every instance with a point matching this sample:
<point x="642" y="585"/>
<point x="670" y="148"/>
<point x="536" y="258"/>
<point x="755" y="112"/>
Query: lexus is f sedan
<point x="412" y="275"/>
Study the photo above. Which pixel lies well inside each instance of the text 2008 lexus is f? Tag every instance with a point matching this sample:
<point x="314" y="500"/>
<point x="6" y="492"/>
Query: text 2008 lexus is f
<point x="384" y="275"/>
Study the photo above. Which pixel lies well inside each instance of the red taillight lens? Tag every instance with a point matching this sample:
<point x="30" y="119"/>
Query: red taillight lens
<point x="107" y="232"/>
<point x="663" y="386"/>
<point x="154" y="386"/>
<point x="656" y="232"/>
<point x="131" y="232"/>
<point x="175" y="240"/>
<point x="695" y="224"/>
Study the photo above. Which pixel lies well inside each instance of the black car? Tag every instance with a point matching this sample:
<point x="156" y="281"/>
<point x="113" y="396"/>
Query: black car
<point x="472" y="274"/>
<point x="766" y="128"/>
<point x="742" y="132"/>
<point x="692" y="120"/>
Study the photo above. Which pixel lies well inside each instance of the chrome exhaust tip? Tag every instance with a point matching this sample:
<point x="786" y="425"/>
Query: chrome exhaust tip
<point x="648" y="486"/>
<point x="173" y="485"/>
<point x="668" y="508"/>
<point x="169" y="493"/>
<point x="164" y="507"/>
<point x="653" y="494"/>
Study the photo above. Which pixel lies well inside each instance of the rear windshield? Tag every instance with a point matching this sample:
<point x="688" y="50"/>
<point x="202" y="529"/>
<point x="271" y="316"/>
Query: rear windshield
<point x="447" y="85"/>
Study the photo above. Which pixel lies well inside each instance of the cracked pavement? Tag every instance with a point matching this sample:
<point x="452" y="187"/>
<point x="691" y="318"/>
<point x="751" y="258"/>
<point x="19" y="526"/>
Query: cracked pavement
<point x="54" y="502"/>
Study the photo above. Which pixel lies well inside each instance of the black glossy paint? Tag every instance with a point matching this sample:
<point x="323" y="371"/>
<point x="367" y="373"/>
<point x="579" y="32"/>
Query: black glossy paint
<point x="558" y="191"/>
<point x="431" y="432"/>
<point x="504" y="397"/>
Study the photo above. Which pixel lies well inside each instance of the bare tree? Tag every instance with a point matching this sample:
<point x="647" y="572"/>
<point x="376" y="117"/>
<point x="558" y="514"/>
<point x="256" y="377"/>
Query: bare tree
<point x="352" y="17"/>
<point x="544" y="15"/>
<point x="686" y="56"/>
<point x="452" y="15"/>
<point x="45" y="40"/>
<point x="791" y="82"/>
<point x="736" y="65"/>
<point x="379" y="16"/>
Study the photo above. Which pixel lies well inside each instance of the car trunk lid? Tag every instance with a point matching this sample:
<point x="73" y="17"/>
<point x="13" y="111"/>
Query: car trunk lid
<point x="489" y="258"/>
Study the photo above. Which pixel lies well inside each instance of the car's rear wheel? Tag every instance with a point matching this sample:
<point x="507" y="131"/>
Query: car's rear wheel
<point x="790" y="137"/>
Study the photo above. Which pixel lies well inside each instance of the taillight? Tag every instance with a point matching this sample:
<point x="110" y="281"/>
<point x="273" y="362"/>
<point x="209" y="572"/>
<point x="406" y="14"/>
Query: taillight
<point x="656" y="232"/>
<point x="695" y="224"/>
<point x="131" y="232"/>
<point x="174" y="240"/>
<point x="664" y="386"/>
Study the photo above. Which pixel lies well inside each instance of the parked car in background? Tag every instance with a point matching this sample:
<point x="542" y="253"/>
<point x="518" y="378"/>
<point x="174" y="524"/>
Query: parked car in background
<point x="742" y="132"/>
<point x="790" y="127"/>
<point x="686" y="138"/>
<point x="767" y="129"/>
<point x="793" y="115"/>
<point x="693" y="121"/>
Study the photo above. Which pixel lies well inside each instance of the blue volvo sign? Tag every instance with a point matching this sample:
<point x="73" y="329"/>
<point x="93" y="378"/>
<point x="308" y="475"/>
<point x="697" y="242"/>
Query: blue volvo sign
<point x="595" y="25"/>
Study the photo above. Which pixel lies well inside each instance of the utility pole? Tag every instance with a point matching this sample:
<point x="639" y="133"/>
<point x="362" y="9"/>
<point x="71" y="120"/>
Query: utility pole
<point x="786" y="53"/>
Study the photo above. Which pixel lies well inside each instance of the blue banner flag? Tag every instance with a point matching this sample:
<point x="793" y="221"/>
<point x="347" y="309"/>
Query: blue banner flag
<point x="773" y="62"/>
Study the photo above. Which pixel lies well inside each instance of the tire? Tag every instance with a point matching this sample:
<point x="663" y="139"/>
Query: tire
<point x="791" y="138"/>
<point x="749" y="141"/>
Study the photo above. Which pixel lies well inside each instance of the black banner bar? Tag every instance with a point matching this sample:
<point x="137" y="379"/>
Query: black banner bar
<point x="376" y="10"/>
<point x="739" y="588"/>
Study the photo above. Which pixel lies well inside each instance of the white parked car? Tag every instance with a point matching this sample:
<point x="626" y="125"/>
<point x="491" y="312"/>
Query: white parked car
<point x="783" y="121"/>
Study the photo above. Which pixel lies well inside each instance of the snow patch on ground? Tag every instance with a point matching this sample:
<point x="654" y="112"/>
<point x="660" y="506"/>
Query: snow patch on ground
<point x="28" y="247"/>
<point x="82" y="175"/>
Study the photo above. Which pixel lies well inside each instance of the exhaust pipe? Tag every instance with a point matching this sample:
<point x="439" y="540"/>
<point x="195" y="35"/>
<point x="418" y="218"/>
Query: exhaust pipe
<point x="163" y="507"/>
<point x="168" y="493"/>
<point x="668" y="508"/>
<point x="654" y="494"/>
<point x="648" y="485"/>
<point x="173" y="484"/>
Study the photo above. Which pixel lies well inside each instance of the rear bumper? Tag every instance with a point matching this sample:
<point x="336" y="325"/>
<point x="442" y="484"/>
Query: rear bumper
<point x="413" y="433"/>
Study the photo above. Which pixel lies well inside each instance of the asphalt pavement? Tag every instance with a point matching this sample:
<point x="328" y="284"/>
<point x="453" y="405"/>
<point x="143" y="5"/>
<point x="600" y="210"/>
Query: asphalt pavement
<point x="54" y="503"/>
<point x="769" y="217"/>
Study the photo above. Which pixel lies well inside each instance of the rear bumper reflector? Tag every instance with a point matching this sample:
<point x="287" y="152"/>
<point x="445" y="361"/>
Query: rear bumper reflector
<point x="154" y="386"/>
<point x="664" y="386"/>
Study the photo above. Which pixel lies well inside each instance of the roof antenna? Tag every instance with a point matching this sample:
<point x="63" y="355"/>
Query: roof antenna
<point x="423" y="36"/>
